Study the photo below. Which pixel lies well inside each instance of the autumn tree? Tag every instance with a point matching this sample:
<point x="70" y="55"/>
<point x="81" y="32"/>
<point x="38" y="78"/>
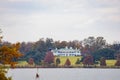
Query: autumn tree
<point x="102" y="61"/>
<point x="3" y="77"/>
<point x="63" y="44"/>
<point x="31" y="61"/>
<point x="2" y="70"/>
<point x="75" y="44"/>
<point x="49" y="57"/>
<point x="8" y="55"/>
<point x="92" y="44"/>
<point x="118" y="60"/>
<point x="88" y="60"/>
<point x="67" y="63"/>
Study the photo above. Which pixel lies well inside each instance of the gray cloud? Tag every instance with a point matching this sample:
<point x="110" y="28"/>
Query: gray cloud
<point x="57" y="18"/>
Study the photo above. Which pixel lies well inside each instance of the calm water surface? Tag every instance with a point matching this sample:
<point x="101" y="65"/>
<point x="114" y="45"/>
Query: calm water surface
<point x="65" y="74"/>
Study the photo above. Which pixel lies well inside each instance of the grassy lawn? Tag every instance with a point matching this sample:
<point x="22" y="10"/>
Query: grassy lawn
<point x="72" y="59"/>
<point x="110" y="62"/>
<point x="22" y="63"/>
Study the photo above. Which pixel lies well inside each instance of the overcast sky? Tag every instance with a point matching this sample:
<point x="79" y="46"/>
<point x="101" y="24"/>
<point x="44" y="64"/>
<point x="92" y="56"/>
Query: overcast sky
<point x="30" y="20"/>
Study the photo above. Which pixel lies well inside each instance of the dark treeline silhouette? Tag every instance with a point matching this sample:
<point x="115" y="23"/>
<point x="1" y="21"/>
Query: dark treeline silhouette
<point x="96" y="47"/>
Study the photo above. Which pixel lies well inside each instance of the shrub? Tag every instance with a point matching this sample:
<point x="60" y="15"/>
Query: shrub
<point x="67" y="63"/>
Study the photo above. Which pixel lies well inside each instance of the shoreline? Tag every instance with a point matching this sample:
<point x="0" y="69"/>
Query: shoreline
<point x="89" y="67"/>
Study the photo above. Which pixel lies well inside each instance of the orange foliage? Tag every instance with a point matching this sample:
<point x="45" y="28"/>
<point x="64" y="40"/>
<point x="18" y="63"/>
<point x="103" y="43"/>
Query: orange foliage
<point x="8" y="54"/>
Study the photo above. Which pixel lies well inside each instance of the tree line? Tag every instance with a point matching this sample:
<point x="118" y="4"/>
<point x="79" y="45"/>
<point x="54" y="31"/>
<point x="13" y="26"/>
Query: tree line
<point x="97" y="47"/>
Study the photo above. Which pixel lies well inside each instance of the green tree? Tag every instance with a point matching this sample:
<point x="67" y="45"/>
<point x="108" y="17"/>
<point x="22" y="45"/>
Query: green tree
<point x="78" y="61"/>
<point x="106" y="53"/>
<point x="58" y="61"/>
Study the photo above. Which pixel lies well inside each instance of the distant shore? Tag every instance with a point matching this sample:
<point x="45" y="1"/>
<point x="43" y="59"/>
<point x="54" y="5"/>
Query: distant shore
<point x="103" y="67"/>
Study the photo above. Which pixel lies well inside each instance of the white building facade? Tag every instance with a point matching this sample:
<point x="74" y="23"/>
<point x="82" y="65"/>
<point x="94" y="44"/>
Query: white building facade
<point x="66" y="52"/>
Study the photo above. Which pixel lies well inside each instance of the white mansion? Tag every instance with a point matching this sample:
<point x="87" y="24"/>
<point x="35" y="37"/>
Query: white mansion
<point x="66" y="52"/>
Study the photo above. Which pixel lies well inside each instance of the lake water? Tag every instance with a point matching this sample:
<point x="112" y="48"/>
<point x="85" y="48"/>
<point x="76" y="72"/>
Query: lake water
<point x="65" y="74"/>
